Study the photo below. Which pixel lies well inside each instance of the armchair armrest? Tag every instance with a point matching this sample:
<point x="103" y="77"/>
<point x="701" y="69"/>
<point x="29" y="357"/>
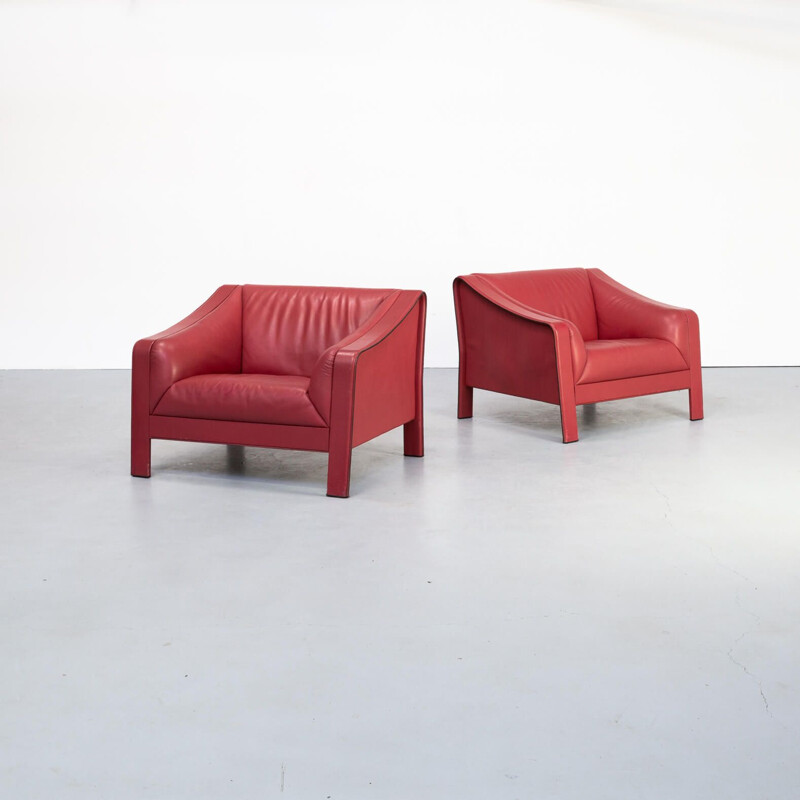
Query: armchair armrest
<point x="207" y="341"/>
<point x="625" y="314"/>
<point x="319" y="389"/>
<point x="377" y="373"/>
<point x="380" y="328"/>
<point x="567" y="337"/>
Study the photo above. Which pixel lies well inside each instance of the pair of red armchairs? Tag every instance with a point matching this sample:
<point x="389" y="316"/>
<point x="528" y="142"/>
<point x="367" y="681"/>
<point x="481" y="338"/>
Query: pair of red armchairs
<point x="326" y="369"/>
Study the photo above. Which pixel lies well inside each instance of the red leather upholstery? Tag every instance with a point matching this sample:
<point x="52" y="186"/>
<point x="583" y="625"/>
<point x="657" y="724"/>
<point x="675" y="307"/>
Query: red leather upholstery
<point x="313" y="368"/>
<point x="322" y="373"/>
<point x="275" y="399"/>
<point x="570" y="337"/>
<point x="562" y="293"/>
<point x="613" y="359"/>
<point x="624" y="314"/>
<point x="285" y="329"/>
<point x="206" y="342"/>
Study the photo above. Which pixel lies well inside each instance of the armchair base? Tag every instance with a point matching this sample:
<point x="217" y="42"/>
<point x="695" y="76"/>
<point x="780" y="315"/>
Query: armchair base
<point x="285" y="437"/>
<point x="587" y="394"/>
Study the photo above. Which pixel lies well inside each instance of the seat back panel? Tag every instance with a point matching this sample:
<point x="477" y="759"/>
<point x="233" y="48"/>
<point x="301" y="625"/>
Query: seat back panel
<point x="285" y="329"/>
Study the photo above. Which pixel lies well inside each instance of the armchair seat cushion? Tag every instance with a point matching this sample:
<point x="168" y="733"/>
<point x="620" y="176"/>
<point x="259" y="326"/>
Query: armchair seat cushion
<point x="616" y="359"/>
<point x="273" y="399"/>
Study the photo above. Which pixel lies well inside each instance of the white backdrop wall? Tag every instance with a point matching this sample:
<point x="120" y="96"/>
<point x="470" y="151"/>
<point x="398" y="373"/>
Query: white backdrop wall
<point x="150" y="151"/>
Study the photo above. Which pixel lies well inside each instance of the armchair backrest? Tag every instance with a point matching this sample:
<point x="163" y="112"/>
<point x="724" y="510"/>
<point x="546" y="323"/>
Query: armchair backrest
<point x="564" y="293"/>
<point x="285" y="329"/>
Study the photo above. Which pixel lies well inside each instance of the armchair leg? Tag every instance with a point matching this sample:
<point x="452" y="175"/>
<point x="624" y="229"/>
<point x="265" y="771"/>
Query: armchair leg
<point x="339" y="471"/>
<point x="140" y="455"/>
<point x="696" y="400"/>
<point x="569" y="422"/>
<point x="413" y="437"/>
<point x="464" y="397"/>
<point x="140" y="412"/>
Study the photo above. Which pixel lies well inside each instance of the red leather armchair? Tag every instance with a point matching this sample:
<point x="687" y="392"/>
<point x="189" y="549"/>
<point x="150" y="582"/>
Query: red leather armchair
<point x="298" y="367"/>
<point x="569" y="337"/>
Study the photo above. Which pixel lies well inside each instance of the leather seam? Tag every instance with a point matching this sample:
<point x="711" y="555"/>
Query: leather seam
<point x="634" y="377"/>
<point x="515" y="302"/>
<point x="388" y="334"/>
<point x="241" y="422"/>
<point x="197" y="321"/>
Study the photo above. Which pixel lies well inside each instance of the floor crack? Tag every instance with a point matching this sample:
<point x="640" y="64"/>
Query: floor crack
<point x="719" y="562"/>
<point x="725" y="566"/>
<point x="749" y="674"/>
<point x="668" y="512"/>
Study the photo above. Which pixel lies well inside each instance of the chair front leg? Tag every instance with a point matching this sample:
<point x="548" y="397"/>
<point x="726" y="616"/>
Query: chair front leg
<point x="140" y="449"/>
<point x="140" y="409"/>
<point x="464" y="397"/>
<point x="696" y="398"/>
<point x="340" y="436"/>
<point x="413" y="431"/>
<point x="413" y="437"/>
<point x="339" y="458"/>
<point x="566" y="384"/>
<point x="569" y="421"/>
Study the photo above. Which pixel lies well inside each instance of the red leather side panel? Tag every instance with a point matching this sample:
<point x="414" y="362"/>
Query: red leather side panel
<point x="385" y="392"/>
<point x="506" y="353"/>
<point x="322" y="374"/>
<point x="629" y="358"/>
<point x="273" y="399"/>
<point x="375" y="376"/>
<point x="564" y="293"/>
<point x="287" y="328"/>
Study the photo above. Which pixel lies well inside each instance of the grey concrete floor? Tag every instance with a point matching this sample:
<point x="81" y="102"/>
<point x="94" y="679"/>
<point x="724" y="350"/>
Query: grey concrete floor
<point x="508" y="617"/>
